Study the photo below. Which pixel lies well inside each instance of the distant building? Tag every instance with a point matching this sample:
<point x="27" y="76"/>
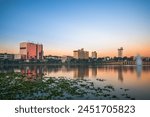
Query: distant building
<point x="107" y="58"/>
<point x="94" y="54"/>
<point x="17" y="56"/>
<point x="52" y="57"/>
<point x="6" y="56"/>
<point x="31" y="51"/>
<point x="80" y="54"/>
<point x="120" y="52"/>
<point x="66" y="58"/>
<point x="39" y="51"/>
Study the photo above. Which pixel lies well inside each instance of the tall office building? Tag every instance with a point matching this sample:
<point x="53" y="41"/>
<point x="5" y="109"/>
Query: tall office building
<point x="31" y="50"/>
<point x="94" y="54"/>
<point x="39" y="51"/>
<point x="81" y="54"/>
<point x="120" y="52"/>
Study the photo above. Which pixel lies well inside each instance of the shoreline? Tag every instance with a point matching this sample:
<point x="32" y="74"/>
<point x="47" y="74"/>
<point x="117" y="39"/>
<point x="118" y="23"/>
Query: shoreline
<point x="62" y="64"/>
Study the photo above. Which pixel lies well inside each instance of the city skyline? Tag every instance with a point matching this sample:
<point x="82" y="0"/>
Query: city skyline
<point x="63" y="26"/>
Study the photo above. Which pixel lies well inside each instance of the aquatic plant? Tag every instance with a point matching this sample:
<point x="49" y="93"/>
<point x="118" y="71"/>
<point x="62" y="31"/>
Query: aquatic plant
<point x="19" y="86"/>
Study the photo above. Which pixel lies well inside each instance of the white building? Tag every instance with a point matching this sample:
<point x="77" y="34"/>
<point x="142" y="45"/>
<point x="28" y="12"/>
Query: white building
<point x="66" y="58"/>
<point x="6" y="56"/>
<point x="17" y="56"/>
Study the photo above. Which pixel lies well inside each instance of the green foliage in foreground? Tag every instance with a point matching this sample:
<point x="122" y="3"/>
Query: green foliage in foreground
<point x="17" y="86"/>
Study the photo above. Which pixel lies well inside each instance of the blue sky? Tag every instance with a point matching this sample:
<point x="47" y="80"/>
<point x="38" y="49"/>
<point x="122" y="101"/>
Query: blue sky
<point x="65" y="25"/>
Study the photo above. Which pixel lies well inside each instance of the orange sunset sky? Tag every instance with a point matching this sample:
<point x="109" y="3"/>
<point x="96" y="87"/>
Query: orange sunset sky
<point x="63" y="26"/>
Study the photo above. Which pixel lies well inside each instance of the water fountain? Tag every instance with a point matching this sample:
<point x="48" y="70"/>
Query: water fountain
<point x="138" y="60"/>
<point x="138" y="66"/>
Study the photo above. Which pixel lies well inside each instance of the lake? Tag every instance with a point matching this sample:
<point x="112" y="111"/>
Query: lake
<point x="135" y="80"/>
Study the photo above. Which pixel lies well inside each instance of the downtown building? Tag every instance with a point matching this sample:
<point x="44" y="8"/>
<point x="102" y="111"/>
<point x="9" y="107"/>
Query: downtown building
<point x="81" y="54"/>
<point x="94" y="54"/>
<point x="120" y="52"/>
<point x="30" y="51"/>
<point x="4" y="56"/>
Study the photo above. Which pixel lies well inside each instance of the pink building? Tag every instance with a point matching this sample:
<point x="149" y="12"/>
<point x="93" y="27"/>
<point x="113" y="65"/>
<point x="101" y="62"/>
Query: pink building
<point x="31" y="51"/>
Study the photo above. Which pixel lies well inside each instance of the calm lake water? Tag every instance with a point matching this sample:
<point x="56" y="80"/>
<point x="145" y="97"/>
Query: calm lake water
<point x="136" y="79"/>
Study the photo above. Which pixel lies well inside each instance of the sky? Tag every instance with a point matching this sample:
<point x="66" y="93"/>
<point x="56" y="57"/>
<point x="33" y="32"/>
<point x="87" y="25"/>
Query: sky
<point x="66" y="25"/>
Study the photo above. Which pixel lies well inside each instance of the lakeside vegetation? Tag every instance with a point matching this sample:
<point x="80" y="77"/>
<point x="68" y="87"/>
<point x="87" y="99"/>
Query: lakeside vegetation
<point x="72" y="61"/>
<point x="18" y="86"/>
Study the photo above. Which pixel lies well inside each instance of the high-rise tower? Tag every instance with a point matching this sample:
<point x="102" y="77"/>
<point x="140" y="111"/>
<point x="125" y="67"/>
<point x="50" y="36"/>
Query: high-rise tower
<point x="120" y="52"/>
<point x="31" y="50"/>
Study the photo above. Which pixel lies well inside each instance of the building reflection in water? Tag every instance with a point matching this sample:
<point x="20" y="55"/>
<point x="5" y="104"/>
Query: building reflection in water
<point x="81" y="72"/>
<point x="36" y="71"/>
<point x="5" y="69"/>
<point x="32" y="72"/>
<point x="94" y="71"/>
<point x="120" y="74"/>
<point x="138" y="71"/>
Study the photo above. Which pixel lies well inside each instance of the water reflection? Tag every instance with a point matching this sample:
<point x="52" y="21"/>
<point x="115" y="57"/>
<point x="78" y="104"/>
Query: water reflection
<point x="120" y="74"/>
<point x="49" y="69"/>
<point x="5" y="69"/>
<point x="94" y="71"/>
<point x="139" y="71"/>
<point x="34" y="71"/>
<point x="81" y="72"/>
